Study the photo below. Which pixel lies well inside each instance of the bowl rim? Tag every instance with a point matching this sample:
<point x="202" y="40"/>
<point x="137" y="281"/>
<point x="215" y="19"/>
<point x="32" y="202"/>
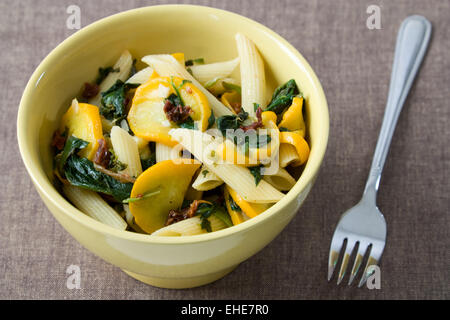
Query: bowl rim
<point x="47" y="190"/>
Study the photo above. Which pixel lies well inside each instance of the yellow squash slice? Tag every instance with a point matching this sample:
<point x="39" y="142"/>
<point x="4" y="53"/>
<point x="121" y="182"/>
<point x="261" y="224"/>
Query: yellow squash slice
<point x="299" y="143"/>
<point x="235" y="215"/>
<point x="250" y="209"/>
<point x="147" y="118"/>
<point x="168" y="182"/>
<point x="293" y="117"/>
<point x="83" y="121"/>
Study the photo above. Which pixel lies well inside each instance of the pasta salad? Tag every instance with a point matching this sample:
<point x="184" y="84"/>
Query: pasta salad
<point x="180" y="147"/>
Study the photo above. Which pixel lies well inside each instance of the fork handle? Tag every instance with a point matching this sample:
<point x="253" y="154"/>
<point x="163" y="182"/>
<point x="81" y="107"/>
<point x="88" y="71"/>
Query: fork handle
<point x="412" y="41"/>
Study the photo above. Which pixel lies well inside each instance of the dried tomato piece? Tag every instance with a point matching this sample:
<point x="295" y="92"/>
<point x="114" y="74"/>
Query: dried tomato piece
<point x="102" y="156"/>
<point x="90" y="90"/>
<point x="177" y="114"/>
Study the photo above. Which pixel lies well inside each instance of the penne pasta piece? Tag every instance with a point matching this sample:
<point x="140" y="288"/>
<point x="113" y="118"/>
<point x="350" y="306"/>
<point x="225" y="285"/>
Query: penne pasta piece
<point x="288" y="155"/>
<point x="206" y="180"/>
<point x="252" y="74"/>
<point x="207" y="72"/>
<point x="163" y="152"/>
<point x="90" y="203"/>
<point x="281" y="180"/>
<point x="238" y="178"/>
<point x="124" y="65"/>
<point x="166" y="66"/>
<point x="189" y="227"/>
<point x="141" y="77"/>
<point x="126" y="150"/>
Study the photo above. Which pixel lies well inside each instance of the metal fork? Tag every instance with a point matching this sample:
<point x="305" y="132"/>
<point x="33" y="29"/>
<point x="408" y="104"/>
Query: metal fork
<point x="363" y="227"/>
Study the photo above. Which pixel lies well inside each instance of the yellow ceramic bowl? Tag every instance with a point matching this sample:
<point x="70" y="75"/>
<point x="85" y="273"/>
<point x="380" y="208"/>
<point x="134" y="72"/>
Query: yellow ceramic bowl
<point x="198" y="32"/>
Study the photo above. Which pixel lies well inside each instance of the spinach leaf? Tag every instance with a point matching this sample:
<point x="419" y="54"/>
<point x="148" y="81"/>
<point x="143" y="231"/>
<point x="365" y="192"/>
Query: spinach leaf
<point x="223" y="215"/>
<point x="113" y="100"/>
<point x="174" y="99"/>
<point x="205" y="210"/>
<point x="234" y="206"/>
<point x="73" y="144"/>
<point x="233" y="121"/>
<point x="191" y="62"/>
<point x="282" y="97"/>
<point x="188" y="124"/>
<point x="80" y="172"/>
<point x="147" y="163"/>
<point x="103" y="73"/>
<point x="257" y="173"/>
<point x="211" y="120"/>
<point x="231" y="87"/>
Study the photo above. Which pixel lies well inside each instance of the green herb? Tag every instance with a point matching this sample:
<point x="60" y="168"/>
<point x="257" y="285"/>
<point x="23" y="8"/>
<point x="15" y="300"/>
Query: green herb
<point x="232" y="87"/>
<point x="80" y="172"/>
<point x="233" y="205"/>
<point x="142" y="197"/>
<point x="177" y="90"/>
<point x="204" y="173"/>
<point x="283" y="129"/>
<point x="205" y="210"/>
<point x="103" y="73"/>
<point x="191" y="62"/>
<point x="257" y="173"/>
<point x="114" y="164"/>
<point x="72" y="146"/>
<point x="113" y="100"/>
<point x="211" y="120"/>
<point x="147" y="163"/>
<point x="231" y="121"/>
<point x="255" y="106"/>
<point x="282" y="97"/>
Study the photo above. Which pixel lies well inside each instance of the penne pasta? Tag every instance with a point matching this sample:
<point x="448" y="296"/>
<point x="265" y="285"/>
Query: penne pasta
<point x="237" y="177"/>
<point x="281" y="180"/>
<point x="166" y="66"/>
<point x="141" y="77"/>
<point x="90" y="203"/>
<point x="207" y="72"/>
<point x="163" y="152"/>
<point x="126" y="150"/>
<point x="288" y="155"/>
<point x="206" y="180"/>
<point x="123" y="65"/>
<point x="213" y="150"/>
<point x="189" y="227"/>
<point x="252" y="75"/>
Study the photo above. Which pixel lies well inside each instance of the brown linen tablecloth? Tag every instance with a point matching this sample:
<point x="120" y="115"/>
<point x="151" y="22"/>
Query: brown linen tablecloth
<point x="354" y="65"/>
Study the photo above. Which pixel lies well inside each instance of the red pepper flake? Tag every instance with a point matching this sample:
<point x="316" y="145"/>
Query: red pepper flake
<point x="189" y="90"/>
<point x="90" y="90"/>
<point x="257" y="124"/>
